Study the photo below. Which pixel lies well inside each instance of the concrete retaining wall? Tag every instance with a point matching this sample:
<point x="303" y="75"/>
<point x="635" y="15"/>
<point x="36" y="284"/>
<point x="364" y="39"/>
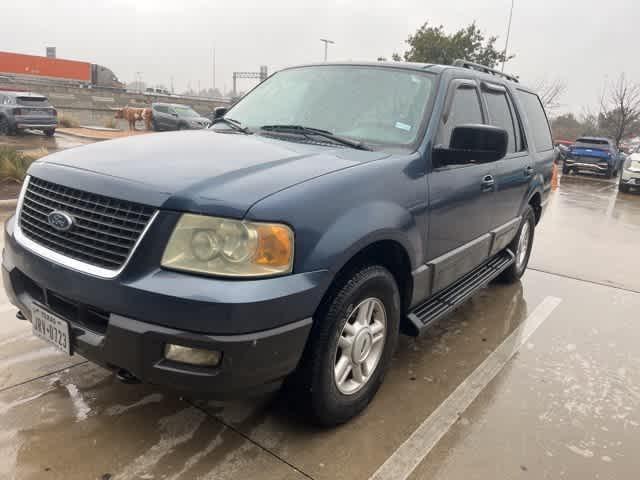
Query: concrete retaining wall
<point x="94" y="106"/>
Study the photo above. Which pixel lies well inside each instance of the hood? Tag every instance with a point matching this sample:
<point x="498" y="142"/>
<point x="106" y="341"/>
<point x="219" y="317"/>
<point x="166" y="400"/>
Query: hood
<point x="201" y="171"/>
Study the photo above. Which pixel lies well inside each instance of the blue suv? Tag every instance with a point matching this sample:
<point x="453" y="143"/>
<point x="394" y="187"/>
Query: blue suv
<point x="331" y="209"/>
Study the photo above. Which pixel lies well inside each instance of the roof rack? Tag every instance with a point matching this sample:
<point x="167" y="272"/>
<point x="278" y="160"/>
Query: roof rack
<point x="483" y="68"/>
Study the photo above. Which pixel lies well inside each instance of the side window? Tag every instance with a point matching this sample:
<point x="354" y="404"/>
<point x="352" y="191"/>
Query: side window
<point x="162" y="109"/>
<point x="537" y="121"/>
<point x="465" y="108"/>
<point x="500" y="115"/>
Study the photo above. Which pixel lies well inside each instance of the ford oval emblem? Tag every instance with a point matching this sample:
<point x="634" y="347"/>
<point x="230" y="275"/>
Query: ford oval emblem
<point x="61" y="221"/>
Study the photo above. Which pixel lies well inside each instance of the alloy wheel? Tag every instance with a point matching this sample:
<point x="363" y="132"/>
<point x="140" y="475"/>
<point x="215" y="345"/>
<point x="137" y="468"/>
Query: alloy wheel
<point x="360" y="346"/>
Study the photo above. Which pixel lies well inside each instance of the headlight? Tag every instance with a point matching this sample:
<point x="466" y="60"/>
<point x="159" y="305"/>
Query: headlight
<point x="229" y="248"/>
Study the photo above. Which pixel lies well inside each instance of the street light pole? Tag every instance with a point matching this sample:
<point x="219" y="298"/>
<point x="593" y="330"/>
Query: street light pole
<point x="506" y="43"/>
<point x="326" y="45"/>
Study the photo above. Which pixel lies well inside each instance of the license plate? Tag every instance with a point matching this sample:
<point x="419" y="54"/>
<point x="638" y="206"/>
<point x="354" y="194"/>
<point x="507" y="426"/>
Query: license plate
<point x="51" y="328"/>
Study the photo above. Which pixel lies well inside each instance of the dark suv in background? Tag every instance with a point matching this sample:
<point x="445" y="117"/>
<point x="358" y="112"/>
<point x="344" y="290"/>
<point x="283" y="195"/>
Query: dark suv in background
<point x="22" y="110"/>
<point x="332" y="208"/>
<point x="167" y="116"/>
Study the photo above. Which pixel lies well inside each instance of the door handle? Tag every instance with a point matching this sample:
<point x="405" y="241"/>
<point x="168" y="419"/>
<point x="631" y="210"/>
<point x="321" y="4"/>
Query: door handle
<point x="488" y="183"/>
<point x="528" y="171"/>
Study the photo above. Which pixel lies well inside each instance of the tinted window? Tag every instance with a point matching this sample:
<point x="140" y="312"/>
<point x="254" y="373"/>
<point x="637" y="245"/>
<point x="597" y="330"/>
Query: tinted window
<point x="537" y="121"/>
<point x="162" y="108"/>
<point x="33" y="101"/>
<point x="465" y="109"/>
<point x="500" y="116"/>
<point x="593" y="141"/>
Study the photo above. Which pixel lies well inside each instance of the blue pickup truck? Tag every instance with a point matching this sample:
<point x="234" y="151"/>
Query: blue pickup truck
<point x="593" y="154"/>
<point x="330" y="209"/>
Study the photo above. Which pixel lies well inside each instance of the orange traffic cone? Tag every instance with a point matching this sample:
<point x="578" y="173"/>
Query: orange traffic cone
<point x="554" y="177"/>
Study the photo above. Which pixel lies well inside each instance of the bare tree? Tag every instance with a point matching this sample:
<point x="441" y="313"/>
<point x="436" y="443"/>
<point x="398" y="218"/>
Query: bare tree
<point x="620" y="109"/>
<point x="550" y="92"/>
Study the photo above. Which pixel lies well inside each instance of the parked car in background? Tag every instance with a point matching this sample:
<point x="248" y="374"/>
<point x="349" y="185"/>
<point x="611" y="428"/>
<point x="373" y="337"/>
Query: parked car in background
<point x="330" y="209"/>
<point x="22" y="110"/>
<point x="630" y="173"/>
<point x="593" y="154"/>
<point x="167" y="116"/>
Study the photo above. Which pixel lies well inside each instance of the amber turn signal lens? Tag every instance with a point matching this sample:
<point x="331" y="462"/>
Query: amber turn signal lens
<point x="275" y="246"/>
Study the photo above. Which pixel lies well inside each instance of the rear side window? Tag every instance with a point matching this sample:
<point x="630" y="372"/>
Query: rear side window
<point x="537" y="121"/>
<point x="162" y="108"/>
<point x="500" y="115"/>
<point x="465" y="109"/>
<point x="33" y="101"/>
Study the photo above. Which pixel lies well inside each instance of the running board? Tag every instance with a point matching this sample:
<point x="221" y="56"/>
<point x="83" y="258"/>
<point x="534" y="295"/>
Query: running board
<point x="444" y="302"/>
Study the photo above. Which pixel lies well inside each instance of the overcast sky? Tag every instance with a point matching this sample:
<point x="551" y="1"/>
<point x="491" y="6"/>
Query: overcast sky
<point x="585" y="43"/>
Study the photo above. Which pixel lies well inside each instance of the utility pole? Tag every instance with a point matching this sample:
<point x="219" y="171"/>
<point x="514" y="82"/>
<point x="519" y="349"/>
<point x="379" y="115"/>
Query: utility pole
<point x="214" y="68"/>
<point x="326" y="46"/>
<point x="506" y="43"/>
<point x="139" y="79"/>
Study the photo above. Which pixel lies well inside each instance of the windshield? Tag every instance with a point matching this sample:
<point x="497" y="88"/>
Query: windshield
<point x="185" y="111"/>
<point x="371" y="104"/>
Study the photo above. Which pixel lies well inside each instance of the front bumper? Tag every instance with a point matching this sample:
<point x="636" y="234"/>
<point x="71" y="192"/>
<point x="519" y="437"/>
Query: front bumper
<point x="261" y="327"/>
<point x="630" y="178"/>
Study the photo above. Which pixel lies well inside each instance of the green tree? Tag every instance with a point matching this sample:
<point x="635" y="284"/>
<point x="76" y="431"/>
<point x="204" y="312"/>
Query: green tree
<point x="433" y="45"/>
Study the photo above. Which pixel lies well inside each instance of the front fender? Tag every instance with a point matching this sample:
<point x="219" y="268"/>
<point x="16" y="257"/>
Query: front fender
<point x="362" y="226"/>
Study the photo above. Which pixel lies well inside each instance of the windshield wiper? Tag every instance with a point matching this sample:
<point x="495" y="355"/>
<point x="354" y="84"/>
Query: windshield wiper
<point x="234" y="124"/>
<point x="315" y="131"/>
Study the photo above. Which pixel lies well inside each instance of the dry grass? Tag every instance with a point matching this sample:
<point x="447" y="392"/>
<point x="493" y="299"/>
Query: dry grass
<point x="67" y="121"/>
<point x="14" y="164"/>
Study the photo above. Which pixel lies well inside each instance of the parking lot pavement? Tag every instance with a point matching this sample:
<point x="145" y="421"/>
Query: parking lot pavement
<point x="540" y="379"/>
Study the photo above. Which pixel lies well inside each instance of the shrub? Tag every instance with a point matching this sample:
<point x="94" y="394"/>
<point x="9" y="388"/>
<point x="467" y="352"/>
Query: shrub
<point x="67" y="121"/>
<point x="14" y="164"/>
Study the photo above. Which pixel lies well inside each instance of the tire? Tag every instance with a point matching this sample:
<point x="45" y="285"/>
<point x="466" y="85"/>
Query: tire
<point x="154" y="126"/>
<point x="5" y="128"/>
<point x="328" y="401"/>
<point x="565" y="169"/>
<point x="609" y="173"/>
<point x="182" y="126"/>
<point x="623" y="188"/>
<point x="50" y="132"/>
<point x="522" y="252"/>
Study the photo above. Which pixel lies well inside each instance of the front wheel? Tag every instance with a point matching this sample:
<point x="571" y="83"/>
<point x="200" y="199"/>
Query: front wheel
<point x="623" y="188"/>
<point x="351" y="346"/>
<point x="50" y="132"/>
<point x="521" y="247"/>
<point x="565" y="169"/>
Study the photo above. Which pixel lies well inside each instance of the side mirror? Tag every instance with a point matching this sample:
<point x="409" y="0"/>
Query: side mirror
<point x="219" y="112"/>
<point x="473" y="144"/>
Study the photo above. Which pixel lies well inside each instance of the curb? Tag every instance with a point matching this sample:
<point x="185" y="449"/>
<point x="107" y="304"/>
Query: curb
<point x="76" y="135"/>
<point x="10" y="203"/>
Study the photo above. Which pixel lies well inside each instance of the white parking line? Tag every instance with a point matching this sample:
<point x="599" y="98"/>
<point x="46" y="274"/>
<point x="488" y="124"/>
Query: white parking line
<point x="414" y="450"/>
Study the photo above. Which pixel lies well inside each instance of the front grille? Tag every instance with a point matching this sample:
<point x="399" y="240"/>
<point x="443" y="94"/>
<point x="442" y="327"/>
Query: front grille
<point x="104" y="229"/>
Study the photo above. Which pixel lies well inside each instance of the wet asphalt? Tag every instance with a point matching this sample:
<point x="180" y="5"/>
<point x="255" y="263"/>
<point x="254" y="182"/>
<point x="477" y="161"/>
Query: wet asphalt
<point x="540" y="379"/>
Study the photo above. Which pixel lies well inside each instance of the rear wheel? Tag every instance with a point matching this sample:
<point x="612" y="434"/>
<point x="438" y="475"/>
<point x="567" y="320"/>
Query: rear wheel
<point x="354" y="338"/>
<point x="521" y="248"/>
<point x="50" y="132"/>
<point x="623" y="188"/>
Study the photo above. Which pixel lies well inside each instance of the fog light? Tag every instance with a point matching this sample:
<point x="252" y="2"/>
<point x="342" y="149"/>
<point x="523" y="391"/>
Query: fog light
<point x="193" y="356"/>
